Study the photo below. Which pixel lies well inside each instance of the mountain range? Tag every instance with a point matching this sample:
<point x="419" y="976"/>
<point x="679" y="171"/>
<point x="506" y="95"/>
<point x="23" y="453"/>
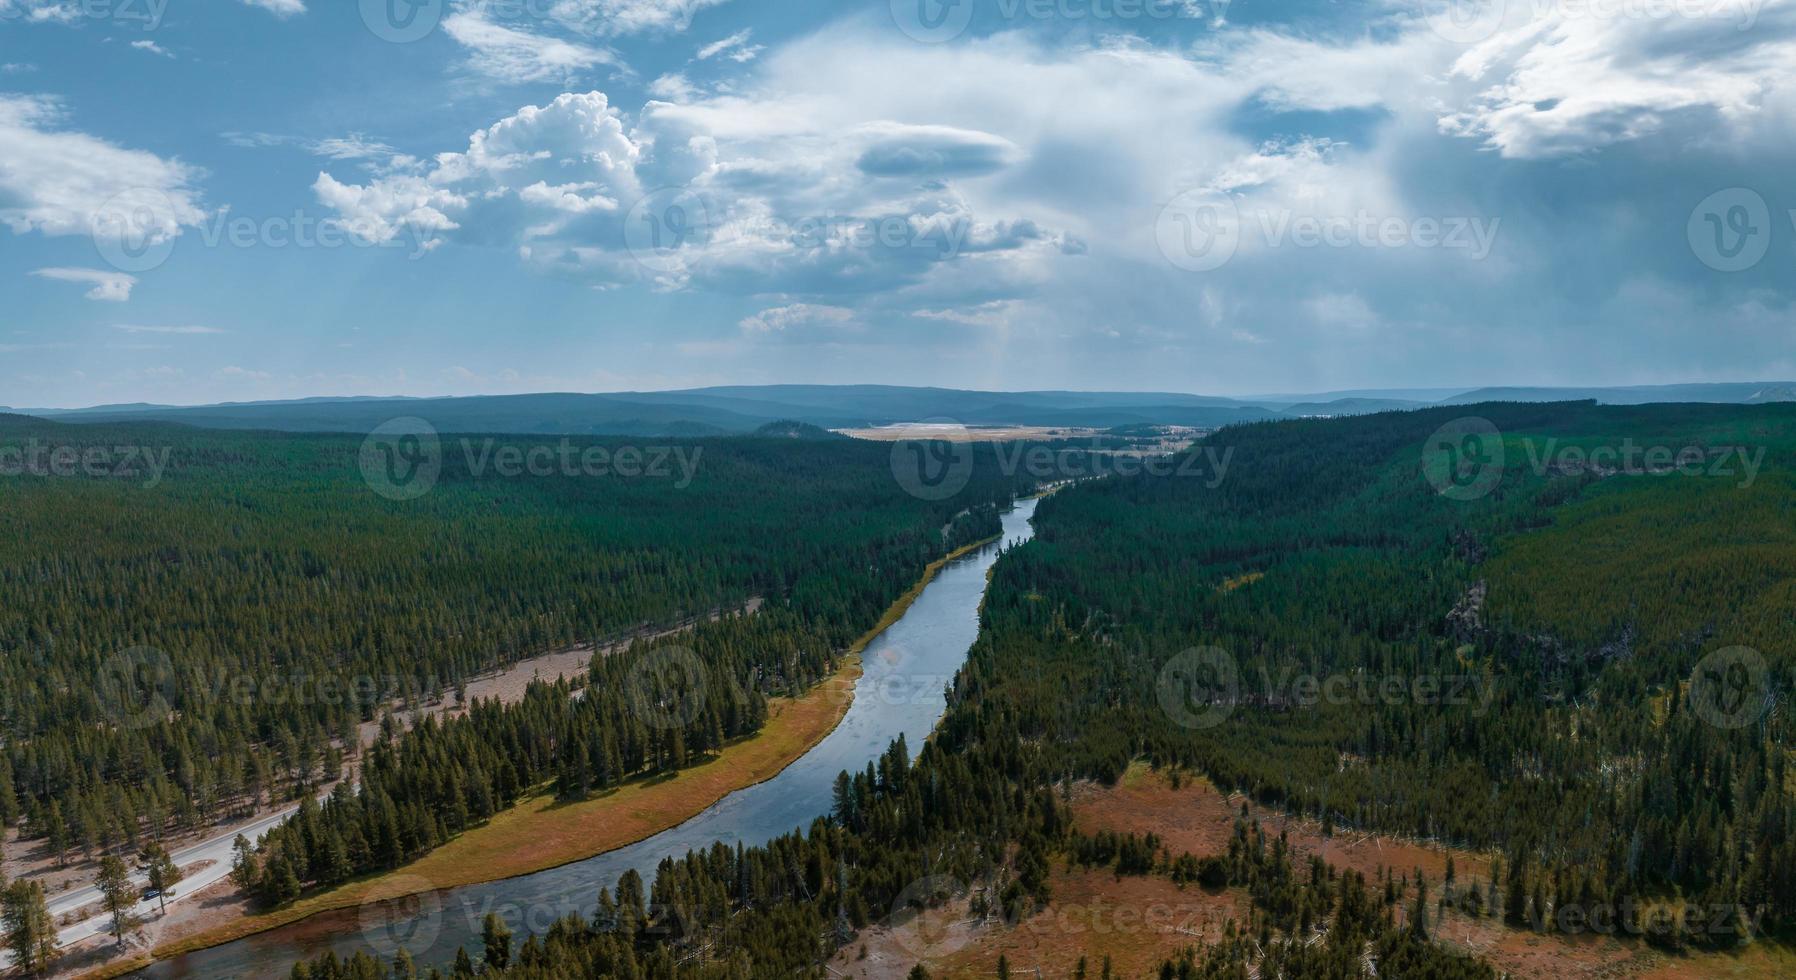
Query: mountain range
<point x="738" y="409"/>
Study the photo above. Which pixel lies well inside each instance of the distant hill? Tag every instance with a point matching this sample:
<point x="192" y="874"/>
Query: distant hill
<point x="787" y="429"/>
<point x="857" y="406"/>
<point x="698" y="412"/>
<point x="549" y="414"/>
<point x="1733" y="393"/>
<point x="1353" y="406"/>
<point x="1426" y="396"/>
<point x="742" y="410"/>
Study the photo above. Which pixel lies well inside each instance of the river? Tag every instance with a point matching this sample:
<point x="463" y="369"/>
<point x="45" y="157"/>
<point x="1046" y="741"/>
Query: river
<point x="901" y="691"/>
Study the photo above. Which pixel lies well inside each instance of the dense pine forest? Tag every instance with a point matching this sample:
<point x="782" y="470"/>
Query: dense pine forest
<point x="1591" y="616"/>
<point x="1579" y="666"/>
<point x="177" y="649"/>
<point x="1587" y="660"/>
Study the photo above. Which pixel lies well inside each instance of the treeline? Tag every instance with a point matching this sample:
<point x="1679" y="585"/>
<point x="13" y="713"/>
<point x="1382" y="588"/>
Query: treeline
<point x="652" y="708"/>
<point x="178" y="653"/>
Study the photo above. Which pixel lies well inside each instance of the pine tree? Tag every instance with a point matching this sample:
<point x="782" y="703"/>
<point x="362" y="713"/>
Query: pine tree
<point x="56" y="830"/>
<point x="246" y="866"/>
<point x="117" y="896"/>
<point x="576" y="780"/>
<point x="30" y="933"/>
<point x="497" y="937"/>
<point x="842" y="800"/>
<point x="161" y="871"/>
<point x="9" y="798"/>
<point x="1515" y="894"/>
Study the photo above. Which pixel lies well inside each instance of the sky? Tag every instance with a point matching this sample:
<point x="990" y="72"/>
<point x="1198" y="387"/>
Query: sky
<point x="211" y="200"/>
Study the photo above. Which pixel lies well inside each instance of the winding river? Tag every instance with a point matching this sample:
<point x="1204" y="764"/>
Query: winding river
<point x="900" y="691"/>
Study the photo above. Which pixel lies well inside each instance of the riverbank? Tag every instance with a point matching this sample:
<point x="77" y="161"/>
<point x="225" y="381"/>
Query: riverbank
<point x="540" y="833"/>
<point x="74" y="903"/>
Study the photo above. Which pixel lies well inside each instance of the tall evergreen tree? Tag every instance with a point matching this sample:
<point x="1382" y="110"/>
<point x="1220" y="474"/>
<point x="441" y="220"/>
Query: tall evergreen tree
<point x="30" y="933"/>
<point x="117" y="896"/>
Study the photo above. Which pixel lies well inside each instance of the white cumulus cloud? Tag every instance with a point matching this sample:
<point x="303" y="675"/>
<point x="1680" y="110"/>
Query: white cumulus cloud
<point x="110" y="287"/>
<point x="781" y="318"/>
<point x="1562" y="82"/>
<point x="735" y="47"/>
<point x="280" y="8"/>
<point x="516" y="55"/>
<point x="59" y="181"/>
<point x="614" y="17"/>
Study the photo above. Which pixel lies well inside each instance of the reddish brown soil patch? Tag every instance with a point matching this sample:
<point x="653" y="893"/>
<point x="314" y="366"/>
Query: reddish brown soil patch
<point x="1136" y="921"/>
<point x="1196" y="818"/>
<point x="1199" y="819"/>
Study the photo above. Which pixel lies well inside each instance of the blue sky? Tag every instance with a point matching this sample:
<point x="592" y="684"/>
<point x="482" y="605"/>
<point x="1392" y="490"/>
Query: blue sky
<point x="206" y="200"/>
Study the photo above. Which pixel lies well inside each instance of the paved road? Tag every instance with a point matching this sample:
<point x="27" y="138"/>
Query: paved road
<point x="217" y="850"/>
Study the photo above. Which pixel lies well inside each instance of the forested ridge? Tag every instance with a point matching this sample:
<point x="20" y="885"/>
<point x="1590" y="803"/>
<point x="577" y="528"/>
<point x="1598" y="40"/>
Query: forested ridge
<point x="176" y="649"/>
<point x="1571" y="605"/>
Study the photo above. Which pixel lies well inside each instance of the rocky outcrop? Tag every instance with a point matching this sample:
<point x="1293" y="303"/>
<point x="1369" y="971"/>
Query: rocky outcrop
<point x="1464" y="622"/>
